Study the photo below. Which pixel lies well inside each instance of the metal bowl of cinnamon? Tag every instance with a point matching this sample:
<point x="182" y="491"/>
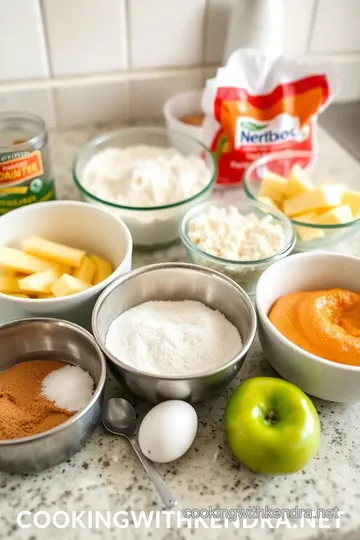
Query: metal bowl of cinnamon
<point x="41" y="435"/>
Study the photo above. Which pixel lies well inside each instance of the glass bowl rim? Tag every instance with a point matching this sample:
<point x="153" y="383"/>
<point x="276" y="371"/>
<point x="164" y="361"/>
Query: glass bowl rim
<point x="20" y="115"/>
<point x="141" y="129"/>
<point x="287" y="154"/>
<point x="195" y="210"/>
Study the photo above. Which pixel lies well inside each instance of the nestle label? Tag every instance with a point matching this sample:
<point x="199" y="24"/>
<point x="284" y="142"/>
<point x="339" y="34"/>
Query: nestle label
<point x="253" y="132"/>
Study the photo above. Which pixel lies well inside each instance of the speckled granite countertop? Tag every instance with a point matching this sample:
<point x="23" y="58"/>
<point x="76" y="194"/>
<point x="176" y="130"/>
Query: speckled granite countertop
<point x="106" y="476"/>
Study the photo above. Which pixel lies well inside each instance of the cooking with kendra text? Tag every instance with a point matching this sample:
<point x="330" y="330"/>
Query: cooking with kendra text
<point x="196" y="518"/>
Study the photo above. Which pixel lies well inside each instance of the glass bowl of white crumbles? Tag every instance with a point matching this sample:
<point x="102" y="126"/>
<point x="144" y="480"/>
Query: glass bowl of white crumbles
<point x="148" y="176"/>
<point x="239" y="240"/>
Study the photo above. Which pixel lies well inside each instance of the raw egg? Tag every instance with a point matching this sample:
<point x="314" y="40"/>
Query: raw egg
<point x="168" y="431"/>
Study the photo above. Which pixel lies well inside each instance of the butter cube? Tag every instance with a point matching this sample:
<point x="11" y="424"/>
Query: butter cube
<point x="67" y="285"/>
<point x="41" y="282"/>
<point x="103" y="268"/>
<point x="52" y="251"/>
<point x="9" y="285"/>
<point x="336" y="216"/>
<point x="18" y="295"/>
<point x="306" y="234"/>
<point x="86" y="271"/>
<point x="298" y="181"/>
<point x="320" y="198"/>
<point x="352" y="198"/>
<point x="14" y="259"/>
<point x="268" y="201"/>
<point x="309" y="217"/>
<point x="274" y="186"/>
<point x="8" y="272"/>
<point x="61" y="268"/>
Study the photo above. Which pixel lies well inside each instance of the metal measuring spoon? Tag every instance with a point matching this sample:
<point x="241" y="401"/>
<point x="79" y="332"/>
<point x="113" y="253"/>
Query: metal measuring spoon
<point x="119" y="418"/>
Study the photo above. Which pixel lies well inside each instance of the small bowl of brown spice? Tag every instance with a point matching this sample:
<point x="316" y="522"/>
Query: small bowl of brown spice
<point x="52" y="375"/>
<point x="184" y="114"/>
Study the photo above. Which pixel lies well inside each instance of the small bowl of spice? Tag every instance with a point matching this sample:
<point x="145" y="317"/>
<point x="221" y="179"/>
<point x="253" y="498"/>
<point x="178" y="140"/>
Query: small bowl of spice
<point x="183" y="113"/>
<point x="240" y="240"/>
<point x="52" y="375"/>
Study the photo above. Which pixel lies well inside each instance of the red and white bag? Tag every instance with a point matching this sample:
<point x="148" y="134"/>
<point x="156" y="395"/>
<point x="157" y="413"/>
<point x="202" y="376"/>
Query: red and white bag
<point x="258" y="104"/>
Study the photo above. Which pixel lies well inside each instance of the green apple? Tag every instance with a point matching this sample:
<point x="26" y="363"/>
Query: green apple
<point x="271" y="426"/>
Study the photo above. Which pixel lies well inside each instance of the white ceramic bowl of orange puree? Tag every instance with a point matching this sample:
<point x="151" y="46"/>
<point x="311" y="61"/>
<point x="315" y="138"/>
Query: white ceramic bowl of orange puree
<point x="308" y="272"/>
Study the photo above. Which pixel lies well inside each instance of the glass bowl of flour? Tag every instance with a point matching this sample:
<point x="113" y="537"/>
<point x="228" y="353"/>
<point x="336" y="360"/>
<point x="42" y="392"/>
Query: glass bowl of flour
<point x="148" y="176"/>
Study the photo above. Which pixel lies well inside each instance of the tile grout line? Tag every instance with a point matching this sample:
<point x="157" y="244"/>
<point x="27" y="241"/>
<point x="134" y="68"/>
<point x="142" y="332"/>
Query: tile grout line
<point x="126" y="30"/>
<point x="338" y="56"/>
<point x="139" y="75"/>
<point x="43" y="37"/>
<point x="121" y="76"/>
<point x="205" y="31"/>
<point x="46" y="45"/>
<point x="311" y="27"/>
<point x="126" y="9"/>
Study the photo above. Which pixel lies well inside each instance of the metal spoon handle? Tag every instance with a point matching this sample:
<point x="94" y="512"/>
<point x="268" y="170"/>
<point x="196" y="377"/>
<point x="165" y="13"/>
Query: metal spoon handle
<point x="165" y="493"/>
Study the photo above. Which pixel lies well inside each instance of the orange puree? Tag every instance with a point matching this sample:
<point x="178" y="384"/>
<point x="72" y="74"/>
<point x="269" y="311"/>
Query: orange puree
<point x="324" y="323"/>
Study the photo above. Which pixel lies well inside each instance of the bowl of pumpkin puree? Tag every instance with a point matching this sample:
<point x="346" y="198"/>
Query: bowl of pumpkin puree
<point x="308" y="308"/>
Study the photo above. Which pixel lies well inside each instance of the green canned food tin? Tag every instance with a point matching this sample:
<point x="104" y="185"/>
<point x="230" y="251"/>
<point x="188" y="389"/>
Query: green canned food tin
<point x="25" y="170"/>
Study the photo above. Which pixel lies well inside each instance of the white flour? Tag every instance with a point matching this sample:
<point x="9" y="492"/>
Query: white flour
<point x="173" y="338"/>
<point x="144" y="176"/>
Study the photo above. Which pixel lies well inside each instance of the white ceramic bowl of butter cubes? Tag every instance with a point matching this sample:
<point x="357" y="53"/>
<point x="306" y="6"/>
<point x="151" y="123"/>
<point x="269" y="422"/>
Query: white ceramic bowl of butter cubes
<point x="239" y="240"/>
<point x="103" y="237"/>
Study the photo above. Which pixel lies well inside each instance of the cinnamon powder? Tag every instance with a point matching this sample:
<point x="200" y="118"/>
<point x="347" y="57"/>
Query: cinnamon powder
<point x="23" y="410"/>
<point x="193" y="119"/>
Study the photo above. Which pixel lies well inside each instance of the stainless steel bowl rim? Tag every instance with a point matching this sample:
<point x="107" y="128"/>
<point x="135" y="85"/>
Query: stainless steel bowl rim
<point x="140" y="129"/>
<point x="283" y="252"/>
<point x="95" y="395"/>
<point x="186" y="266"/>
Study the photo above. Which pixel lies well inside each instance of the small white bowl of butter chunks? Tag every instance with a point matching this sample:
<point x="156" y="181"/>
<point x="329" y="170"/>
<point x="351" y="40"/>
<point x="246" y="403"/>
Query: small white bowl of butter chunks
<point x="56" y="257"/>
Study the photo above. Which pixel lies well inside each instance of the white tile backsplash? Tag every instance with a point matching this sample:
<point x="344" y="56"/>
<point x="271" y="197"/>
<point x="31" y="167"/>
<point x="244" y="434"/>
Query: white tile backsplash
<point x="166" y="33"/>
<point x="217" y="20"/>
<point x="81" y="61"/>
<point x="349" y="78"/>
<point x="297" y="26"/>
<point x="36" y="101"/>
<point x="99" y="102"/>
<point x="148" y="96"/>
<point x="21" y="41"/>
<point x="85" y="36"/>
<point x="337" y="27"/>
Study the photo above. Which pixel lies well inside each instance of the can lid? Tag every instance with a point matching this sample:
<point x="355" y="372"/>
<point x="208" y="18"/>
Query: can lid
<point x="21" y="131"/>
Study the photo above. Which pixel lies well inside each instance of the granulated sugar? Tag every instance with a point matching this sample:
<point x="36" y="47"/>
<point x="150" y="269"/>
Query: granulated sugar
<point x="173" y="338"/>
<point x="69" y="387"/>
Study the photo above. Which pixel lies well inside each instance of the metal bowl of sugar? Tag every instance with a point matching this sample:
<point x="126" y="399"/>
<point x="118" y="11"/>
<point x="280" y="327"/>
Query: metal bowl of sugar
<point x="175" y="282"/>
<point x="51" y="339"/>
